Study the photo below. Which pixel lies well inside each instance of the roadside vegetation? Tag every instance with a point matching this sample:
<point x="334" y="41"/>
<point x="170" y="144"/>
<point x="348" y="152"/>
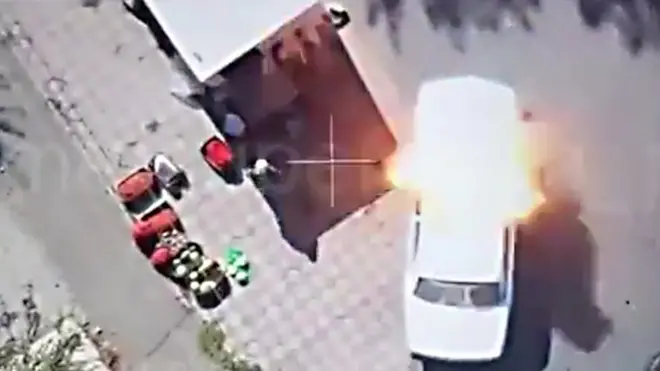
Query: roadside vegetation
<point x="212" y="342"/>
<point x="30" y="342"/>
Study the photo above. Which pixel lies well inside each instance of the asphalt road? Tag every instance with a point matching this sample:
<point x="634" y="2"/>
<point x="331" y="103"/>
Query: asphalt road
<point x="600" y="111"/>
<point x="58" y="222"/>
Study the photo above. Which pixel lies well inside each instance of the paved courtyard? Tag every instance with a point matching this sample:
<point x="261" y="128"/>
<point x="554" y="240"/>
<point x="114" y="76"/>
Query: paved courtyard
<point x="600" y="108"/>
<point x="109" y="86"/>
<point x="48" y="195"/>
<point x="344" y="310"/>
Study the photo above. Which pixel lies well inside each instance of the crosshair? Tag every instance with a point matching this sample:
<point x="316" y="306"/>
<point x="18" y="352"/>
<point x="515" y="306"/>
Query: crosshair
<point x="333" y="161"/>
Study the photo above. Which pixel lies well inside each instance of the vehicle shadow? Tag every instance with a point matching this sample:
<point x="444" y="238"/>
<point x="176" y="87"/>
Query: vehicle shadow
<point x="332" y="117"/>
<point x="554" y="292"/>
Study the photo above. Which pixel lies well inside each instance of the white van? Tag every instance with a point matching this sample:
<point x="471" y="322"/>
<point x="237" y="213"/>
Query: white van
<point x="210" y="35"/>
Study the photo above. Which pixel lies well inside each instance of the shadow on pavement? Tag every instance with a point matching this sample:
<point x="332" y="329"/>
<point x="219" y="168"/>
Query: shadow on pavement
<point x="6" y="127"/>
<point x="456" y="16"/>
<point x="627" y="16"/>
<point x="566" y="249"/>
<point x="6" y="111"/>
<point x="332" y="116"/>
<point x="637" y="23"/>
<point x="392" y="11"/>
<point x="554" y="291"/>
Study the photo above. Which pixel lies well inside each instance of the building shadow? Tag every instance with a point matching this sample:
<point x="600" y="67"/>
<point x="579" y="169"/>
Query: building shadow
<point x="331" y="116"/>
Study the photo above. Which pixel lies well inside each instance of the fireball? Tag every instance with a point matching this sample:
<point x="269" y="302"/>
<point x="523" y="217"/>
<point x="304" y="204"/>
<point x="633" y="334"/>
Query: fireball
<point x="469" y="155"/>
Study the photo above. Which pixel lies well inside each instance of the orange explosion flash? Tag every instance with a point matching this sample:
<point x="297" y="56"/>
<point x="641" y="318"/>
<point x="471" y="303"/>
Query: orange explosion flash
<point x="497" y="185"/>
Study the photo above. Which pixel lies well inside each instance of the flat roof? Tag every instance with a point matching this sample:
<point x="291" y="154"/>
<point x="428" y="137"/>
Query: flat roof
<point x="210" y="34"/>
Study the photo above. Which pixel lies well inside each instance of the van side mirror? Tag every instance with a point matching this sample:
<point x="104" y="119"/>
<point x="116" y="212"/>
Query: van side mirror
<point x="338" y="15"/>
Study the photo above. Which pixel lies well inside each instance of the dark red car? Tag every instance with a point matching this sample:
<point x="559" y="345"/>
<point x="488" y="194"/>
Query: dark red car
<point x="146" y="232"/>
<point x="221" y="158"/>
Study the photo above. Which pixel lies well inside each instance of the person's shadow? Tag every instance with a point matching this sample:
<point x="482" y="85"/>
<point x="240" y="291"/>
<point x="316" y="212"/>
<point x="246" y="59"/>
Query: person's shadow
<point x="566" y="256"/>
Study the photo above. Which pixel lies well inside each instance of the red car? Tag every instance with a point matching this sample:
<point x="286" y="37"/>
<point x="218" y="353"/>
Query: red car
<point x="146" y="232"/>
<point x="140" y="193"/>
<point x="220" y="157"/>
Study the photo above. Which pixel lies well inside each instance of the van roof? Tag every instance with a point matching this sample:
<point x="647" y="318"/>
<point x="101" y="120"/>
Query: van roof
<point x="210" y="34"/>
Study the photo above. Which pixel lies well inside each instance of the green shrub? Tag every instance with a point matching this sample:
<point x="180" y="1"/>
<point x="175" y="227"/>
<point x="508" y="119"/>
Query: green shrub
<point x="212" y="340"/>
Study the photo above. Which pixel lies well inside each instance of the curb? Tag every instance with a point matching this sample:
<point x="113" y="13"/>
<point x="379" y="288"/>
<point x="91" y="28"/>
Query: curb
<point x="54" y="90"/>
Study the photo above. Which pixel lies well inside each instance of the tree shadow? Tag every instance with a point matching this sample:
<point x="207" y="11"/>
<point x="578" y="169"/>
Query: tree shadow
<point x="456" y="16"/>
<point x="627" y="16"/>
<point x="637" y="22"/>
<point x="392" y="11"/>
<point x="309" y="198"/>
<point x="7" y="127"/>
<point x="92" y="4"/>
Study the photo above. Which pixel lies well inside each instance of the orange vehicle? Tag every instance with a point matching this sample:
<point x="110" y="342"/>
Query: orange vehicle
<point x="140" y="193"/>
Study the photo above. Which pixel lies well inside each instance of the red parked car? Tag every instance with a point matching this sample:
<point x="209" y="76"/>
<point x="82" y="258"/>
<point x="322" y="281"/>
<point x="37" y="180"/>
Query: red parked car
<point x="146" y="232"/>
<point x="220" y="157"/>
<point x="140" y="193"/>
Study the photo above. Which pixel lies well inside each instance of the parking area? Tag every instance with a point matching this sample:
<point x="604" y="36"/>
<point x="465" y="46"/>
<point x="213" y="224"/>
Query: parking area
<point x="113" y="94"/>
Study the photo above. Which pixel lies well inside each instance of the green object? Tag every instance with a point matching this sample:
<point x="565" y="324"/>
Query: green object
<point x="239" y="266"/>
<point x="241" y="261"/>
<point x="233" y="255"/>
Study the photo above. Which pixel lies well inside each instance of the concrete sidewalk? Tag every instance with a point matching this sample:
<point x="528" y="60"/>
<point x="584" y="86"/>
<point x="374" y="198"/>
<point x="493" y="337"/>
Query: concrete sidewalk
<point x="109" y="84"/>
<point x="63" y="232"/>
